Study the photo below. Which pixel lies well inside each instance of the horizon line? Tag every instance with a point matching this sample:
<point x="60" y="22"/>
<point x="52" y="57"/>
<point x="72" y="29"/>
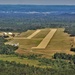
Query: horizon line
<point x="42" y="4"/>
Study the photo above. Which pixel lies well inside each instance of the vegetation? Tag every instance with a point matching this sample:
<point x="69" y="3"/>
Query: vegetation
<point x="72" y="49"/>
<point x="6" y="49"/>
<point x="65" y="57"/>
<point x="22" y="22"/>
<point x="62" y="56"/>
<point x="58" y="67"/>
<point x="2" y="40"/>
<point x="59" y="43"/>
<point x="60" y="64"/>
<point x="25" y="61"/>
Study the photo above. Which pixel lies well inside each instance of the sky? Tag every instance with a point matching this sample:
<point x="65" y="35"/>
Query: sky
<point x="39" y="2"/>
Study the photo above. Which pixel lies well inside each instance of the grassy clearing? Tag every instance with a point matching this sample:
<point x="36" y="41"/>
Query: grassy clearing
<point x="33" y="34"/>
<point x="27" y="33"/>
<point x="60" y="42"/>
<point x="42" y="33"/>
<point x="46" y="40"/>
<point x="27" y="43"/>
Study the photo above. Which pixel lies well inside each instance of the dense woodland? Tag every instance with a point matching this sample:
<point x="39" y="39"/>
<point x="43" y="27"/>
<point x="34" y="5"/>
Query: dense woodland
<point x="6" y="49"/>
<point x="21" y="18"/>
<point x="23" y="22"/>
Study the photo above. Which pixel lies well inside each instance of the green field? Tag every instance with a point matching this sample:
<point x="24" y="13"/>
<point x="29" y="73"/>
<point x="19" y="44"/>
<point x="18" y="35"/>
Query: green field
<point x="60" y="42"/>
<point x="18" y="59"/>
<point x="21" y="60"/>
<point x="26" y="34"/>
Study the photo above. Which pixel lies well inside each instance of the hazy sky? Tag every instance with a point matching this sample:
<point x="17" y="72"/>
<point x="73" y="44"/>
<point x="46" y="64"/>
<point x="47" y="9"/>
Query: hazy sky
<point x="39" y="2"/>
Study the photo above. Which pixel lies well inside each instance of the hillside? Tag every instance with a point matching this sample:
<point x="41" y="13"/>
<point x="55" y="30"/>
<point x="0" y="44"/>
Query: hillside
<point x="60" y="42"/>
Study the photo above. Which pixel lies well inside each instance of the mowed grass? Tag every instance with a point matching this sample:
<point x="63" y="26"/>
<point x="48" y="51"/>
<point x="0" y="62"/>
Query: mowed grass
<point x="27" y="33"/>
<point x="46" y="40"/>
<point x="60" y="42"/>
<point x="42" y="34"/>
<point x="27" y="43"/>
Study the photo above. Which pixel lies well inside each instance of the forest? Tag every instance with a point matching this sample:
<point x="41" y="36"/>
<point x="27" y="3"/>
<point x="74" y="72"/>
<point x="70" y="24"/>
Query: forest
<point x="6" y="49"/>
<point x="19" y="22"/>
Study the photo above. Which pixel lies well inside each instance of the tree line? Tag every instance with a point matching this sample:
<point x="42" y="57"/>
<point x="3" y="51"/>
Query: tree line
<point x="6" y="49"/>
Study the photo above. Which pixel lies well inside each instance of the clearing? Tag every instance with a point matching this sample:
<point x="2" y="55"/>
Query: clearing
<point x="58" y="41"/>
<point x="46" y="40"/>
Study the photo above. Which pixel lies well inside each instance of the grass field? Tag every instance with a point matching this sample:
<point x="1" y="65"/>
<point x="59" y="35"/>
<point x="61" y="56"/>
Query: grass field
<point x="27" y="33"/>
<point x="46" y="40"/>
<point x="42" y="33"/>
<point x="60" y="42"/>
<point x="33" y="34"/>
<point x="21" y="60"/>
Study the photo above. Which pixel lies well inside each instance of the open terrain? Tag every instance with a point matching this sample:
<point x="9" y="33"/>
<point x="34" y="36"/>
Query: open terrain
<point x="46" y="40"/>
<point x="54" y="40"/>
<point x="32" y="35"/>
<point x="59" y="42"/>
